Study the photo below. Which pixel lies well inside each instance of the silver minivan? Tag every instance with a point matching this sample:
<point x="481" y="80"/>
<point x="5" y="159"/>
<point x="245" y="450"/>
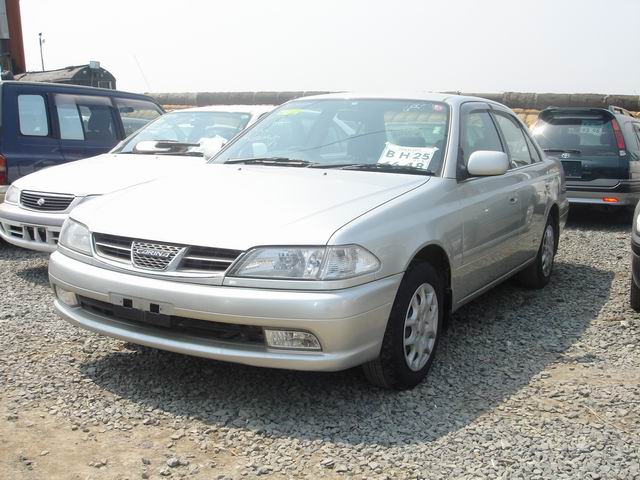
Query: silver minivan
<point x="340" y="230"/>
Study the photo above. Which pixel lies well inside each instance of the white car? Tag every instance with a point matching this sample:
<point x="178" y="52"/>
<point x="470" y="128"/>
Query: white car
<point x="340" y="230"/>
<point x="36" y="205"/>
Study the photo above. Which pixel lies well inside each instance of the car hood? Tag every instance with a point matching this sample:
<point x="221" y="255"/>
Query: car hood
<point x="104" y="173"/>
<point x="241" y="206"/>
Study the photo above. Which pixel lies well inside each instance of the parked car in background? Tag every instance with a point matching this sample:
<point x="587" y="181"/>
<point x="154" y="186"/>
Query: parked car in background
<point x="599" y="149"/>
<point x="46" y="124"/>
<point x="36" y="206"/>
<point x="634" y="293"/>
<point x="309" y="245"/>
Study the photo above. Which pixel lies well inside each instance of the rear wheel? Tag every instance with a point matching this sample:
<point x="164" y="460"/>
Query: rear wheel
<point x="412" y="333"/>
<point x="537" y="275"/>
<point x="635" y="295"/>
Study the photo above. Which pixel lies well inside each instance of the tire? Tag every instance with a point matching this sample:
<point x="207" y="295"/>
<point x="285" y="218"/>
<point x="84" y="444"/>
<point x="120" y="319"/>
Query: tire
<point x="538" y="274"/>
<point x="391" y="369"/>
<point x="634" y="298"/>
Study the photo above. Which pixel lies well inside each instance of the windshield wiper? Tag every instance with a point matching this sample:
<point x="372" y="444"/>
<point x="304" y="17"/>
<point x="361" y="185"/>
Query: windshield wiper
<point x="387" y="167"/>
<point x="276" y="161"/>
<point x="561" y="150"/>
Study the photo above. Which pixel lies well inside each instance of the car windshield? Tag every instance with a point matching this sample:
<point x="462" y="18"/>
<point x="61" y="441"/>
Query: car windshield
<point x="192" y="129"/>
<point x="375" y="135"/>
<point x="586" y="134"/>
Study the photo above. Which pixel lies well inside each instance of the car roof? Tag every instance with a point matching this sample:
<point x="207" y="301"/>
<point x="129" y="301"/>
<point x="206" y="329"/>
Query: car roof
<point x="450" y="98"/>
<point x="68" y="86"/>
<point x="252" y="109"/>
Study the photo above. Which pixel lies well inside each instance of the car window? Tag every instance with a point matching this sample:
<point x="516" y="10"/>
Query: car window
<point x="589" y="133"/>
<point x="32" y="115"/>
<point x="135" y="114"/>
<point x="636" y="130"/>
<point x="478" y="133"/>
<point x="517" y="146"/>
<point x="83" y="117"/>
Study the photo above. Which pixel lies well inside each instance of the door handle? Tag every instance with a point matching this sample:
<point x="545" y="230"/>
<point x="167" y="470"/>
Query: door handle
<point x="513" y="200"/>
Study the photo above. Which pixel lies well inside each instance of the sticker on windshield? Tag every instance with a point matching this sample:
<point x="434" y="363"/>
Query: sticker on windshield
<point x="419" y="157"/>
<point x="591" y="128"/>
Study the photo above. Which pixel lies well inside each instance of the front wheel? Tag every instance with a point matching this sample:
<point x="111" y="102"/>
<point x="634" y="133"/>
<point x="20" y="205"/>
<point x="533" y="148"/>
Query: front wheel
<point x="635" y="296"/>
<point x="412" y="333"/>
<point x="538" y="274"/>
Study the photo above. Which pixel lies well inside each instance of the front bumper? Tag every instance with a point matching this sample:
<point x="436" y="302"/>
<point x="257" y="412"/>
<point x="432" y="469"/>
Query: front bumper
<point x="625" y="192"/>
<point x="349" y="323"/>
<point x="29" y="229"/>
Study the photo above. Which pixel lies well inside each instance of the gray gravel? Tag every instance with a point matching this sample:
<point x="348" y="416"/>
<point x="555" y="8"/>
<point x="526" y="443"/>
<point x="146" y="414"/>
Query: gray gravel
<point x="527" y="384"/>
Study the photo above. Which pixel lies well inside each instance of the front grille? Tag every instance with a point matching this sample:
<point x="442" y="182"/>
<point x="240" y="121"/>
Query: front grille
<point x="31" y="233"/>
<point x="227" y="332"/>
<point x="156" y="256"/>
<point x="153" y="256"/>
<point x="47" y="202"/>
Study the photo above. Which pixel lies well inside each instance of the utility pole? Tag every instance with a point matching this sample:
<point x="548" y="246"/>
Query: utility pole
<point x="41" y="42"/>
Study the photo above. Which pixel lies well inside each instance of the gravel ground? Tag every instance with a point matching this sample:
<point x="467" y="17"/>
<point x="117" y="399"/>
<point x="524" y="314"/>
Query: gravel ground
<point x="527" y="384"/>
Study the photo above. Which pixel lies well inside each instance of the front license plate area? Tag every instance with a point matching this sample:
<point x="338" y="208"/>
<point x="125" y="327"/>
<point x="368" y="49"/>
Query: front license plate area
<point x="142" y="310"/>
<point x="572" y="168"/>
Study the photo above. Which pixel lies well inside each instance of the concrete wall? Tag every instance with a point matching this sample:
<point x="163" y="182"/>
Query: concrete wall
<point x="526" y="105"/>
<point x="533" y="101"/>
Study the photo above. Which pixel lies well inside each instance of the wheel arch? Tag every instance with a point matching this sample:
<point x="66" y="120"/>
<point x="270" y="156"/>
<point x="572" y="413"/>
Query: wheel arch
<point x="437" y="256"/>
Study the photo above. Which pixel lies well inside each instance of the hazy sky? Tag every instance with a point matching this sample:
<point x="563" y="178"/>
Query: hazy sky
<point x="237" y="45"/>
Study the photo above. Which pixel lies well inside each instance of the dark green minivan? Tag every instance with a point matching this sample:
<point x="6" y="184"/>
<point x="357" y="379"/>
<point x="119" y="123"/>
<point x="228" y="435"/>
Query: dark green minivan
<point x="599" y="149"/>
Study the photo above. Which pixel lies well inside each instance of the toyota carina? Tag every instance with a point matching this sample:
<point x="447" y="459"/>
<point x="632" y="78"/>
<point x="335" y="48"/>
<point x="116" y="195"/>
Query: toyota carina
<point x="340" y="230"/>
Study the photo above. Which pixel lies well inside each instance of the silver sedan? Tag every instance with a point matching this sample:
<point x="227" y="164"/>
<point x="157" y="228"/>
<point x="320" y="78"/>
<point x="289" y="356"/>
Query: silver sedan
<point x="340" y="230"/>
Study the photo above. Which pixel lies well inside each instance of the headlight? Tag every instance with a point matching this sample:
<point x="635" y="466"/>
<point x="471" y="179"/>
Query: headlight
<point x="75" y="236"/>
<point x="638" y="224"/>
<point x="12" y="195"/>
<point x="306" y="263"/>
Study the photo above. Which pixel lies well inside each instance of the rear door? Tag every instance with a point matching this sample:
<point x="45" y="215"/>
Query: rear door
<point x="29" y="141"/>
<point x="88" y="125"/>
<point x="533" y="182"/>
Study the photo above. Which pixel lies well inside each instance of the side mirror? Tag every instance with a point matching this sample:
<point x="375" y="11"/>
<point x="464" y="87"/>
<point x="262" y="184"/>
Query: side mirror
<point x="211" y="146"/>
<point x="484" y="163"/>
<point x="163" y="146"/>
<point x="149" y="146"/>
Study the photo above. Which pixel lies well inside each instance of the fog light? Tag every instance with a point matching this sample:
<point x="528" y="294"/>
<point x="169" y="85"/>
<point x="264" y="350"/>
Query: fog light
<point x="66" y="297"/>
<point x="291" y="339"/>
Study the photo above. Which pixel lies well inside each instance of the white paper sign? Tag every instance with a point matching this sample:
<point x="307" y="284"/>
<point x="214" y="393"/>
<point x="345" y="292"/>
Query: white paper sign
<point x="590" y="128"/>
<point x="419" y="157"/>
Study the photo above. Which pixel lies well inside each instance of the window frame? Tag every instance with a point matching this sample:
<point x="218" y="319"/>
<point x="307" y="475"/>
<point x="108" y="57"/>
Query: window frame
<point x="88" y="100"/>
<point x="45" y="102"/>
<point x="467" y="108"/>
<point x="116" y="101"/>
<point x="528" y="142"/>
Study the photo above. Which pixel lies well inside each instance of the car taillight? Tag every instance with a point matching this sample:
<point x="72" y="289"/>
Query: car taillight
<point x="3" y="171"/>
<point x="619" y="137"/>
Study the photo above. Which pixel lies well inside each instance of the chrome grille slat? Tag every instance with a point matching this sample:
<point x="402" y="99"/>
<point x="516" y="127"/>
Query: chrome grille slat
<point x="191" y="259"/>
<point x="106" y="245"/>
<point x="50" y="202"/>
<point x="208" y="259"/>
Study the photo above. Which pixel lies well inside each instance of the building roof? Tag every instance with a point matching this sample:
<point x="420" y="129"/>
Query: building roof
<point x="58" y="75"/>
